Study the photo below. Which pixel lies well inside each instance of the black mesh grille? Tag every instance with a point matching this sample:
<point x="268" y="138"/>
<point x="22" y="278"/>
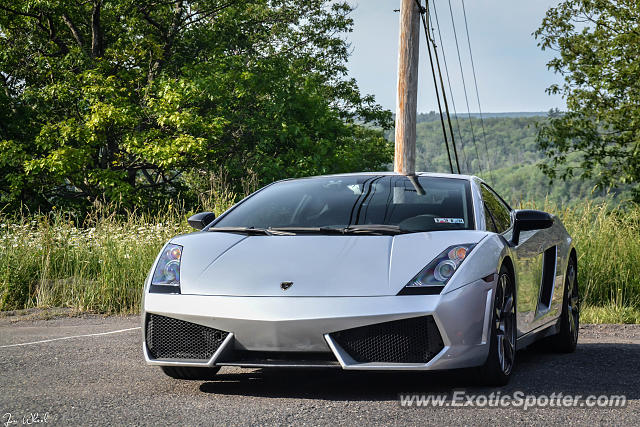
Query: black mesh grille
<point x="415" y="340"/>
<point x="169" y="338"/>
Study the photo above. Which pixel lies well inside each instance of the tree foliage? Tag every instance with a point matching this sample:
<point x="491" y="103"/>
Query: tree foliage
<point x="598" y="46"/>
<point x="511" y="164"/>
<point x="119" y="99"/>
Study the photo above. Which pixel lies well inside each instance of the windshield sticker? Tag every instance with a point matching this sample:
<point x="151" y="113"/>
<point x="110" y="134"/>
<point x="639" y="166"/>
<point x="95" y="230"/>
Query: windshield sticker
<point x="449" y="220"/>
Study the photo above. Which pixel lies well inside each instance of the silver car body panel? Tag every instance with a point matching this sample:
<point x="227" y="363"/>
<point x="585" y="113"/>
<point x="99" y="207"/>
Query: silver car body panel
<point x="301" y="324"/>
<point x="319" y="266"/>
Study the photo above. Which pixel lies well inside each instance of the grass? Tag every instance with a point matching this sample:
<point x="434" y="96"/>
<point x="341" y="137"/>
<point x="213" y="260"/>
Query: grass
<point x="47" y="261"/>
<point x="608" y="245"/>
<point x="50" y="261"/>
<point x="609" y="314"/>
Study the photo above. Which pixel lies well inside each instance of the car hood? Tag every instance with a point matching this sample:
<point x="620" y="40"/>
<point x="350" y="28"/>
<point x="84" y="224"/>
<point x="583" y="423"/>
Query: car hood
<point x="317" y="265"/>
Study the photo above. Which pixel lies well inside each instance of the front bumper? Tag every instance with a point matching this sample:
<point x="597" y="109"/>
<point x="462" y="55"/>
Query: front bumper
<point x="303" y="325"/>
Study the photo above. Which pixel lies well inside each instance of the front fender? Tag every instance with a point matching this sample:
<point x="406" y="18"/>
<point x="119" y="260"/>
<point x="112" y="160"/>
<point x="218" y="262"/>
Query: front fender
<point x="485" y="259"/>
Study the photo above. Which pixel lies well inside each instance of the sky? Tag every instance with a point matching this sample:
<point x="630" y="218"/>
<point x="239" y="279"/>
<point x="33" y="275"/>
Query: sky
<point x="510" y="68"/>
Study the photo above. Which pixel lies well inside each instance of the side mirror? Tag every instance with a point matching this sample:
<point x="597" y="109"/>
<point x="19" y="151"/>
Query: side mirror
<point x="528" y="219"/>
<point x="201" y="220"/>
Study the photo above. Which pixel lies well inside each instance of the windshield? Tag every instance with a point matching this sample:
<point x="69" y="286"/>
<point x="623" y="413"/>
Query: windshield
<point x="431" y="204"/>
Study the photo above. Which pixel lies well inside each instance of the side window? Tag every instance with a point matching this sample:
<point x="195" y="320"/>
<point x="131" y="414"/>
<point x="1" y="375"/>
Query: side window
<point x="491" y="225"/>
<point x="499" y="212"/>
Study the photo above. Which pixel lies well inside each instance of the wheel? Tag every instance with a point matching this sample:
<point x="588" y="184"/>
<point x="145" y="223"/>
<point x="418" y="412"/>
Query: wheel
<point x="502" y="350"/>
<point x="189" y="373"/>
<point x="566" y="339"/>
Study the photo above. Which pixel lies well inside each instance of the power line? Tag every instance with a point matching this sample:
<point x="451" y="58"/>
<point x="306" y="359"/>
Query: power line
<point x="464" y="86"/>
<point x="453" y="101"/>
<point x="475" y="81"/>
<point x="431" y="39"/>
<point x="435" y="83"/>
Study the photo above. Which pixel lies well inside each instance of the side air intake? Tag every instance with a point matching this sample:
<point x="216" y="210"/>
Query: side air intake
<point x="414" y="340"/>
<point x="169" y="338"/>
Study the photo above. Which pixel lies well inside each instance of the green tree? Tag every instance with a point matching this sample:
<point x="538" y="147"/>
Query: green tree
<point x="119" y="99"/>
<point x="598" y="45"/>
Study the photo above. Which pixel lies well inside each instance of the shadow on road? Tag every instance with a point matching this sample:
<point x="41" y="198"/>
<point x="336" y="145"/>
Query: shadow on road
<point x="594" y="369"/>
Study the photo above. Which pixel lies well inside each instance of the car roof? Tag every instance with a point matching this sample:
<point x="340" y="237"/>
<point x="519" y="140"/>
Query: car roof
<point x="388" y="173"/>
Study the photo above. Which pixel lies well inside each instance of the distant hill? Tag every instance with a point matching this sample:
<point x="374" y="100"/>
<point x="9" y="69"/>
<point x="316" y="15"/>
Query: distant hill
<point x="509" y="160"/>
<point x="423" y="117"/>
<point x="511" y="115"/>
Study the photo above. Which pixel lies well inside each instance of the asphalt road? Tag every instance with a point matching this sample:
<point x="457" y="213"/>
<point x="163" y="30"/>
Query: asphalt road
<point x="102" y="379"/>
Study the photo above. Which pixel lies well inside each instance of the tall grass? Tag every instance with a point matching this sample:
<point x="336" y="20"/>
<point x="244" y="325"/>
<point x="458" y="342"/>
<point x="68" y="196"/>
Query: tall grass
<point x="49" y="261"/>
<point x="100" y="263"/>
<point x="608" y="245"/>
<point x="97" y="263"/>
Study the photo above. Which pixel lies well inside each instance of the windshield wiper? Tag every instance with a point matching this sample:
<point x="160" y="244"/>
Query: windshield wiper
<point x="309" y="230"/>
<point x="252" y="231"/>
<point x="376" y="229"/>
<point x="373" y="229"/>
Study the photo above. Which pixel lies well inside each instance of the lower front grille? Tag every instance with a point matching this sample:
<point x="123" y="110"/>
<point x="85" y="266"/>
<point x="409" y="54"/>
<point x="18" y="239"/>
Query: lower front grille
<point x="287" y="359"/>
<point x="414" y="340"/>
<point x="169" y="338"/>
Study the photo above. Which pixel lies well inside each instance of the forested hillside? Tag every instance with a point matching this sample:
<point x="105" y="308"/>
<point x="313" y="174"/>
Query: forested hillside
<point x="508" y="161"/>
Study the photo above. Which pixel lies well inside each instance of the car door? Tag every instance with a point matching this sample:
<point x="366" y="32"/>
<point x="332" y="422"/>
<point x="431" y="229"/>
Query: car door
<point x="539" y="282"/>
<point x="528" y="261"/>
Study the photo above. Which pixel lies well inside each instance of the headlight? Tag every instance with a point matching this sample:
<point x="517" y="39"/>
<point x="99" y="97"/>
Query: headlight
<point x="437" y="273"/>
<point x="166" y="277"/>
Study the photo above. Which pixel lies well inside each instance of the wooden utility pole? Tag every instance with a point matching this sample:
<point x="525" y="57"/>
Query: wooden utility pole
<point x="407" y="101"/>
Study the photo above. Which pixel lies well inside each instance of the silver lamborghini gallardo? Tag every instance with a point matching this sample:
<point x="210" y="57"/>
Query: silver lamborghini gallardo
<point x="371" y="271"/>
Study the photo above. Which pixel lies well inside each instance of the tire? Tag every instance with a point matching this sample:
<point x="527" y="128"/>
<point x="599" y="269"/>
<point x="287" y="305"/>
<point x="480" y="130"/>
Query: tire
<point x="566" y="340"/>
<point x="189" y="373"/>
<point x="502" y="350"/>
